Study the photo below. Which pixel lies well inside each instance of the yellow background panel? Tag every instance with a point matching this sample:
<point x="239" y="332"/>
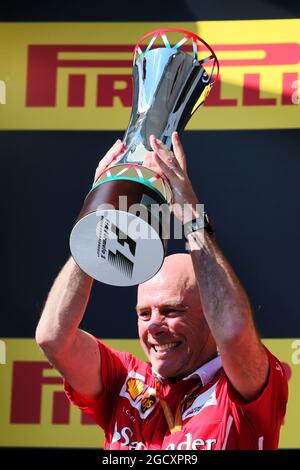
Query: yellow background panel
<point x="75" y="434"/>
<point x="16" y="37"/>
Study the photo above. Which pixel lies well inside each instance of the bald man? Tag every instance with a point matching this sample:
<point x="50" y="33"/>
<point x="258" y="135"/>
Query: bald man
<point x="172" y="328"/>
<point x="209" y="383"/>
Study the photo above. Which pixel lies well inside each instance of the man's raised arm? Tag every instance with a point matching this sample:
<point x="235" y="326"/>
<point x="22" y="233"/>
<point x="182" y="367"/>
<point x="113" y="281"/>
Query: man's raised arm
<point x="225" y="304"/>
<point x="72" y="351"/>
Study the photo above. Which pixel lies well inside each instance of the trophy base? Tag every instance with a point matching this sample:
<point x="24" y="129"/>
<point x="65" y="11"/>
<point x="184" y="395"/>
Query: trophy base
<point x="120" y="236"/>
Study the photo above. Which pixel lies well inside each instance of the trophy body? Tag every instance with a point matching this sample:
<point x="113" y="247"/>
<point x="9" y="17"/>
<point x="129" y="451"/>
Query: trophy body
<point x="120" y="236"/>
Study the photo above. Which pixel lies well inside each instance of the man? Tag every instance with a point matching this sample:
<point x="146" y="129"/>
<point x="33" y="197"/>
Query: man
<point x="209" y="383"/>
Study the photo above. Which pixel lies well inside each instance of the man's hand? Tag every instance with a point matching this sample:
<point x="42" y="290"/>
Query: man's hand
<point x="114" y="152"/>
<point x="172" y="166"/>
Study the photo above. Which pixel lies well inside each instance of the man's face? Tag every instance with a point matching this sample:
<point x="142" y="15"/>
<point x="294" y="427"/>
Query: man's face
<point x="172" y="329"/>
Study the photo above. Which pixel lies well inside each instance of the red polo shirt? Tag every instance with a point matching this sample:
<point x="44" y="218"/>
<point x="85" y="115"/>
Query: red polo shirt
<point x="212" y="414"/>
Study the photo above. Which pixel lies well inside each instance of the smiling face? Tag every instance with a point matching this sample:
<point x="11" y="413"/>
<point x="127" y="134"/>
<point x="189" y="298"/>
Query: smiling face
<point x="172" y="328"/>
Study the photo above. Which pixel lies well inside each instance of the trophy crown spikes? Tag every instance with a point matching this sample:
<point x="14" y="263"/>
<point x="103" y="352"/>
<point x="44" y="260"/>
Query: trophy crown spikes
<point x="197" y="46"/>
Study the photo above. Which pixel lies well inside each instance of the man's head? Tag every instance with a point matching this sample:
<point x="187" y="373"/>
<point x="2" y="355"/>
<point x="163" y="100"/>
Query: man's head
<point x="172" y="328"/>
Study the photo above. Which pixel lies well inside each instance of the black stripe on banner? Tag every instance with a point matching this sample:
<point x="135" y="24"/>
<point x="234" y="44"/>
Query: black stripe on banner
<point x="156" y="10"/>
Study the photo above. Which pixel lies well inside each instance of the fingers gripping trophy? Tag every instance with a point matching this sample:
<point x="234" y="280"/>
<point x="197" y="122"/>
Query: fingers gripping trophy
<point x="120" y="236"/>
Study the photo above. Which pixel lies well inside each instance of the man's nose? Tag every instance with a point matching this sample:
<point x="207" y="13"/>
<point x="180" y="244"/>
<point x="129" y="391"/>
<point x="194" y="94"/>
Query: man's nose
<point x="157" y="324"/>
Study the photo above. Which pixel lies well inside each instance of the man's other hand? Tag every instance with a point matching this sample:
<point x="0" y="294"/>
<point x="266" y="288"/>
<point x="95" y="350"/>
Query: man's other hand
<point x="114" y="152"/>
<point x="172" y="166"/>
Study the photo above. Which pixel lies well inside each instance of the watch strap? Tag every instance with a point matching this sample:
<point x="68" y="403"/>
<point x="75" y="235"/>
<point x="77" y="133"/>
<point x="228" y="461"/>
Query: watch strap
<point x="198" y="223"/>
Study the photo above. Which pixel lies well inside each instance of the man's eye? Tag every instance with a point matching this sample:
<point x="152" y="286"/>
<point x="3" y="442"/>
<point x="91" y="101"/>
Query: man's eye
<point x="144" y="315"/>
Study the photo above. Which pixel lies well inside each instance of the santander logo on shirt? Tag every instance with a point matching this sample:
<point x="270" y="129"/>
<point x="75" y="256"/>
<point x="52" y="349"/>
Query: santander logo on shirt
<point x="125" y="438"/>
<point x="192" y="444"/>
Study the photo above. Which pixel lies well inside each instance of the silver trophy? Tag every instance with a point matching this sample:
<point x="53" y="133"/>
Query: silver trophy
<point x="120" y="236"/>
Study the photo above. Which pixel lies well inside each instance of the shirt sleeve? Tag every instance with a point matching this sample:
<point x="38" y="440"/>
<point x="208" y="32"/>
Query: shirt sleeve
<point x="266" y="413"/>
<point x="113" y="372"/>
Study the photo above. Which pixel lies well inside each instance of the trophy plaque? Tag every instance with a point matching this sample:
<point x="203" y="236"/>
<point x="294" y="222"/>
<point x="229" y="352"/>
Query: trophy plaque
<point x="120" y="236"/>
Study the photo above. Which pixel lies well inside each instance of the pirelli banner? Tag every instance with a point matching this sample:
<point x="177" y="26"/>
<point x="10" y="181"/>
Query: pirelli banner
<point x="77" y="76"/>
<point x="34" y="411"/>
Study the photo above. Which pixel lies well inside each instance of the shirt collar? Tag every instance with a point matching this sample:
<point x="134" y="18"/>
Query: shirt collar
<point x="205" y="372"/>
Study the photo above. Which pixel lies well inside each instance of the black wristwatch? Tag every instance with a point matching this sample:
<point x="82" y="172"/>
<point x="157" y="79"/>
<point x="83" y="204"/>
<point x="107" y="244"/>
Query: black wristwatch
<point x="198" y="224"/>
